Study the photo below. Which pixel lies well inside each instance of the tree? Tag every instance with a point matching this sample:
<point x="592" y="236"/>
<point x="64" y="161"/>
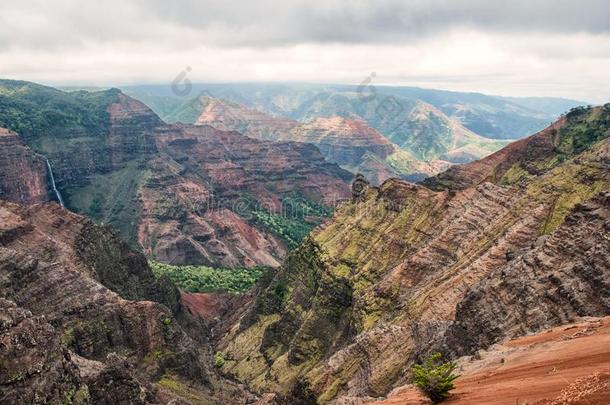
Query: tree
<point x="434" y="377"/>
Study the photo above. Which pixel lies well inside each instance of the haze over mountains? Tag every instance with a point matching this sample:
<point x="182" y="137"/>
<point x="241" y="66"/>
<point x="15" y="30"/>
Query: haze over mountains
<point x="428" y="129"/>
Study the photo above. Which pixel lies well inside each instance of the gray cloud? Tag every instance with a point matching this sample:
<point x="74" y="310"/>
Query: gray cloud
<point x="37" y="23"/>
<point x="281" y="22"/>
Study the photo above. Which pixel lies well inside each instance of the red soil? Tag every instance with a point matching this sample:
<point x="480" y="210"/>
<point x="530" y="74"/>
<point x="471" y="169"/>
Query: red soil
<point x="206" y="305"/>
<point x="564" y="365"/>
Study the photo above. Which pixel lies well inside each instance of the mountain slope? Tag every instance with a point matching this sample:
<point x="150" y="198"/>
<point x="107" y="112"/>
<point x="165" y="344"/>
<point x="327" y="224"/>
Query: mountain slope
<point x="23" y="174"/>
<point x="531" y="156"/>
<point x="382" y="284"/>
<point x="425" y="142"/>
<point x="85" y="321"/>
<point x="184" y="194"/>
<point x="563" y="365"/>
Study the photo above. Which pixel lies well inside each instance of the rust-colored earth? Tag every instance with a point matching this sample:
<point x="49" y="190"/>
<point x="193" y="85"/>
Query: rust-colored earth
<point x="564" y="365"/>
<point x="206" y="305"/>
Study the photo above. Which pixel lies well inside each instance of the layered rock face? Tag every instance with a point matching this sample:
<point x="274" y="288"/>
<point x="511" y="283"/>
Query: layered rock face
<point x="184" y="194"/>
<point x="23" y="174"/>
<point x="565" y="276"/>
<point x="123" y="134"/>
<point x="200" y="200"/>
<point x="229" y="116"/>
<point x="37" y="369"/>
<point x="84" y="320"/>
<point x="343" y="140"/>
<point x="233" y="162"/>
<point x="383" y="283"/>
<point x="347" y="141"/>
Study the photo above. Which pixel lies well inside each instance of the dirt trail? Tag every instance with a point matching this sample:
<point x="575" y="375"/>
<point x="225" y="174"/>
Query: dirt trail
<point x="569" y="364"/>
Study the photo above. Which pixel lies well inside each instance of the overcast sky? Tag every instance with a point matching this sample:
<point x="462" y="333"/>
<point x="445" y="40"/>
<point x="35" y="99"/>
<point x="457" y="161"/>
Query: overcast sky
<point x="531" y="47"/>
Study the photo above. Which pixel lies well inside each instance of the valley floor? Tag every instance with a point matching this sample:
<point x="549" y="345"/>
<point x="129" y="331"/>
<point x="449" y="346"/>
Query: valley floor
<point x="569" y="364"/>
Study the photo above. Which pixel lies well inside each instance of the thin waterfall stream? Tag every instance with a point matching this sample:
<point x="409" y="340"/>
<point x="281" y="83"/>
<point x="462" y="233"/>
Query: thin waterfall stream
<point x="57" y="193"/>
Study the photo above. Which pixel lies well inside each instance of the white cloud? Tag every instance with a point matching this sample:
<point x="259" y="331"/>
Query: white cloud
<point x="554" y="48"/>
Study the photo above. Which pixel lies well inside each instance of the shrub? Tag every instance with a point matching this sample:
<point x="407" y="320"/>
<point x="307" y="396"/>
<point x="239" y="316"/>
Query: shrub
<point x="434" y="377"/>
<point x="219" y="360"/>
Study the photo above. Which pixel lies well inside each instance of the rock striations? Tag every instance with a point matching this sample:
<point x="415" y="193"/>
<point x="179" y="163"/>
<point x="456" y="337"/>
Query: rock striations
<point x="23" y="174"/>
<point x="182" y="193"/>
<point x="83" y="319"/>
<point x="404" y="270"/>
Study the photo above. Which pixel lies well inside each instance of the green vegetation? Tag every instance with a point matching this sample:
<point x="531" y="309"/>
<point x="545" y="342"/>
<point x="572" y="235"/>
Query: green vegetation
<point x="298" y="217"/>
<point x="77" y="397"/>
<point x="33" y="110"/>
<point x="156" y="355"/>
<point x="207" y="279"/>
<point x="585" y="127"/>
<point x="290" y="230"/>
<point x="112" y="199"/>
<point x="173" y="384"/>
<point x="219" y="360"/>
<point x="434" y="377"/>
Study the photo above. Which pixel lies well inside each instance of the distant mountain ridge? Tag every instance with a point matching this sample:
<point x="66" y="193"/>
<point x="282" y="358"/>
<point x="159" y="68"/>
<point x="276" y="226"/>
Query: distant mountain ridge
<point x="493" y="117"/>
<point x="429" y="129"/>
<point x="428" y="143"/>
<point x="349" y="142"/>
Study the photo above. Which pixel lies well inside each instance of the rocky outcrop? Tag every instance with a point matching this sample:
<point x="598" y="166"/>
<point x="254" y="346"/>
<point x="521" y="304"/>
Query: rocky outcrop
<point x="23" y="174"/>
<point x="106" y="322"/>
<point x="36" y="368"/>
<point x="564" y="276"/>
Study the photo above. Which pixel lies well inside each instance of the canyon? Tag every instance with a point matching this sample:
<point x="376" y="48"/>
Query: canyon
<point x="128" y="169"/>
<point x="502" y="263"/>
<point x="404" y="270"/>
<point x="84" y="321"/>
<point x="349" y="142"/>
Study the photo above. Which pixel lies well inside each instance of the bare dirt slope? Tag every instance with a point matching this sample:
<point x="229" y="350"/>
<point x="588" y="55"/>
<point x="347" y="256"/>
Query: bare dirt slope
<point x="569" y="364"/>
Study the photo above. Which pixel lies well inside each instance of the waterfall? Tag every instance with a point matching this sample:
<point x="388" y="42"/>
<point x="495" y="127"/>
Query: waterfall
<point x="57" y="193"/>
